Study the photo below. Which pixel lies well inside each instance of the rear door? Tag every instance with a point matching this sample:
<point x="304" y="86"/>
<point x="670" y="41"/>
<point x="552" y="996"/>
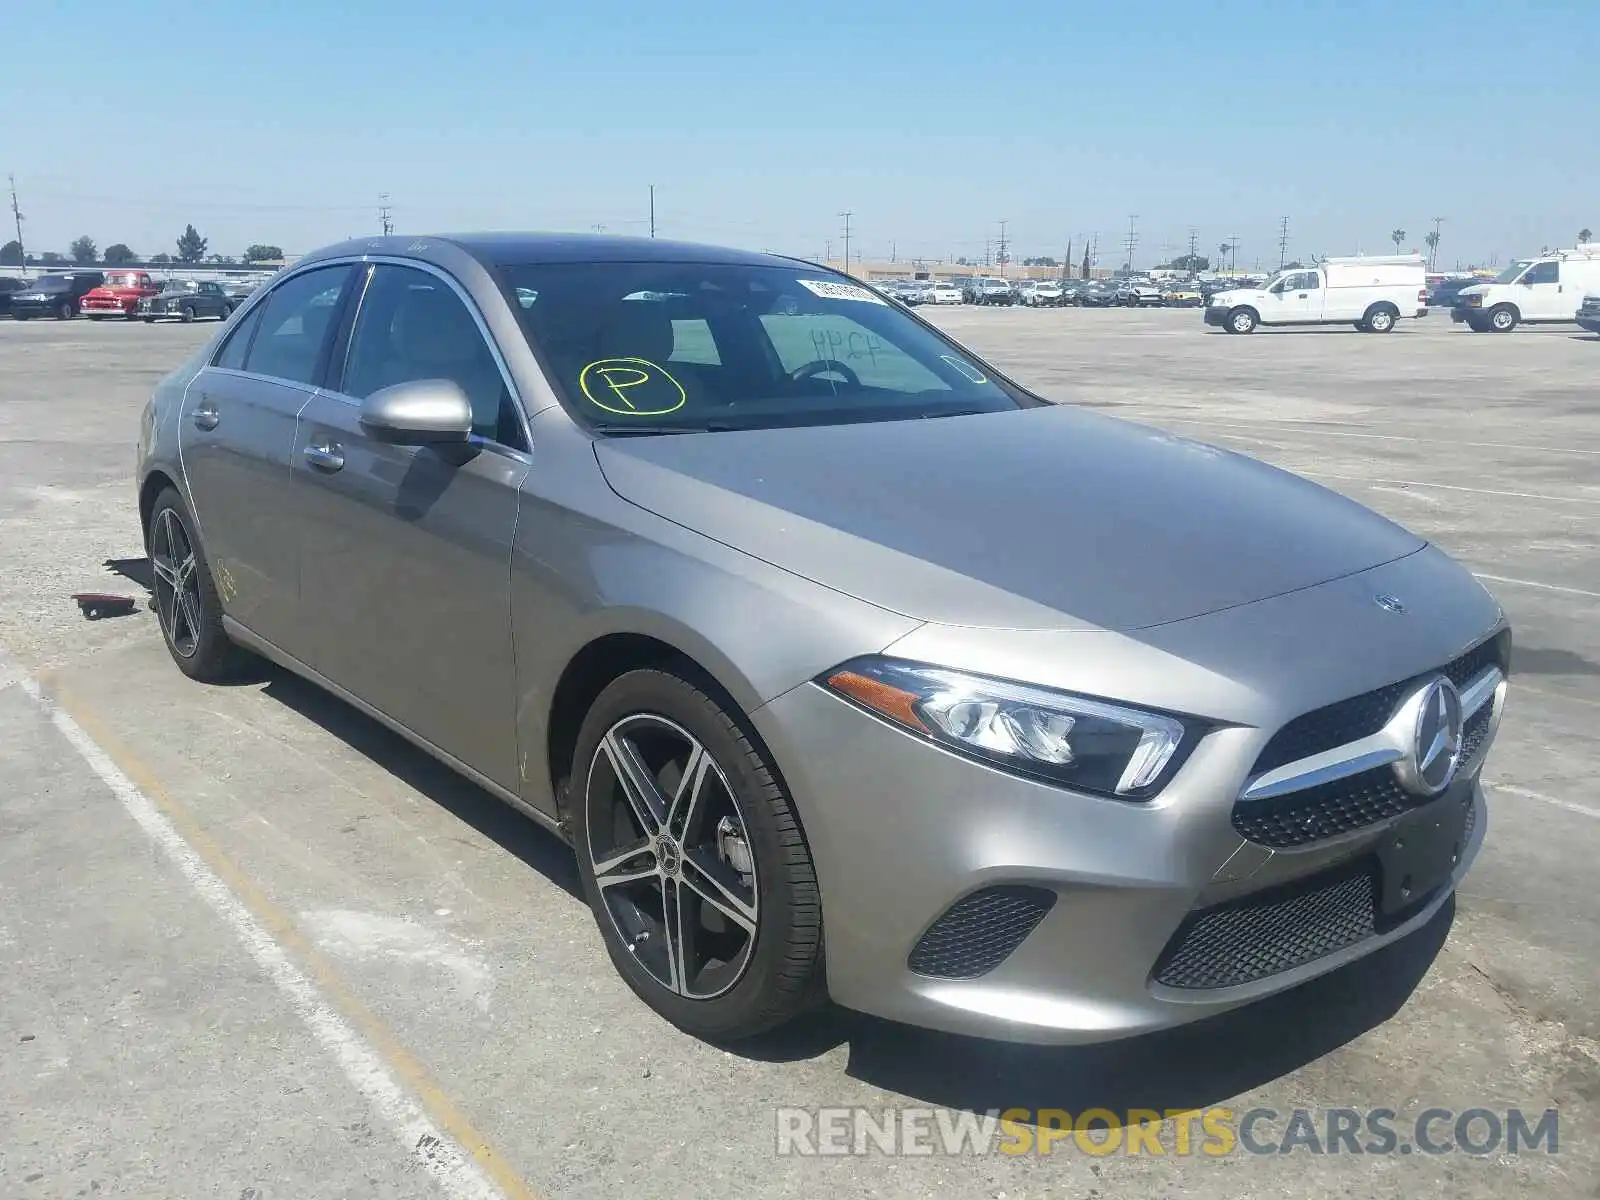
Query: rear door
<point x="235" y="437"/>
<point x="405" y="551"/>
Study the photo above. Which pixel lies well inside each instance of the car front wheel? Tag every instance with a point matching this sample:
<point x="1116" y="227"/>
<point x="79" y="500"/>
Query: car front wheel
<point x="693" y="860"/>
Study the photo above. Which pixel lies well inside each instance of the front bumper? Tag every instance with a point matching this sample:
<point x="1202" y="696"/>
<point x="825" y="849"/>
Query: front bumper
<point x="1589" y="321"/>
<point x="905" y="833"/>
<point x="108" y="308"/>
<point x="1216" y="314"/>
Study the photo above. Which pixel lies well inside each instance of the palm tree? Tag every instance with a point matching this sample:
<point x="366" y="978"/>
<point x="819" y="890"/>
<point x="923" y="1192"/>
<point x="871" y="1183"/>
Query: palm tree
<point x="1583" y="237"/>
<point x="1222" y="254"/>
<point x="1432" y="242"/>
<point x="1398" y="236"/>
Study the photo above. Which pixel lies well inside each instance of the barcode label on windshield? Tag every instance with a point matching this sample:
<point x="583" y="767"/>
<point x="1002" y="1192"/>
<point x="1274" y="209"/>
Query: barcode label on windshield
<point x="829" y="290"/>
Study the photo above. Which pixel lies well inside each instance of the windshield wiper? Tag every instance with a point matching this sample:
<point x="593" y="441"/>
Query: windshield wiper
<point x="615" y="429"/>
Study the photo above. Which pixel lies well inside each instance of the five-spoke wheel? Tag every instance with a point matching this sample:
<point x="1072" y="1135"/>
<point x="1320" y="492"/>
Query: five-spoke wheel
<point x="692" y="857"/>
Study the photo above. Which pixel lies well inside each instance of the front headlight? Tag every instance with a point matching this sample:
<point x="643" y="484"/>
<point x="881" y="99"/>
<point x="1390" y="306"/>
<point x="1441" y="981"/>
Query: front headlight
<point x="1072" y="741"/>
<point x="1473" y="300"/>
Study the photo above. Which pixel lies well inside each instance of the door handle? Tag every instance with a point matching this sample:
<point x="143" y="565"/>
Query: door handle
<point x="205" y="415"/>
<point x="326" y="456"/>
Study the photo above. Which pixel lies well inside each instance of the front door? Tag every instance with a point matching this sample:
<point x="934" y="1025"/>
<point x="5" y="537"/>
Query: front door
<point x="1298" y="298"/>
<point x="405" y="551"/>
<point x="235" y="439"/>
<point x="1541" y="294"/>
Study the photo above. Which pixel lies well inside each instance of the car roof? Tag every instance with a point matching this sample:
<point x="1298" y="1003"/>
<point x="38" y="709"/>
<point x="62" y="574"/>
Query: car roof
<point x="506" y="249"/>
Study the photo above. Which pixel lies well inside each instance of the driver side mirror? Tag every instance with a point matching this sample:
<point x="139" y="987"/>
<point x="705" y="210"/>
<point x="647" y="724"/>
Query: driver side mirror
<point x="1525" y="281"/>
<point x="421" y="412"/>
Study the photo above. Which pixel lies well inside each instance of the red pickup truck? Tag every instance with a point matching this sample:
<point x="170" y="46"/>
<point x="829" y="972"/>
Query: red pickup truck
<point x="119" y="295"/>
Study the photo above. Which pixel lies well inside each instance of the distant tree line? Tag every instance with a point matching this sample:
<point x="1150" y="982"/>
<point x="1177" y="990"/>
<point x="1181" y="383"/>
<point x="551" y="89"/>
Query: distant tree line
<point x="191" y="251"/>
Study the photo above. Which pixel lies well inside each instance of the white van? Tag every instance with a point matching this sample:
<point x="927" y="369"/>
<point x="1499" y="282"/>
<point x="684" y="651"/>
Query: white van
<point x="1548" y="288"/>
<point x="1369" y="292"/>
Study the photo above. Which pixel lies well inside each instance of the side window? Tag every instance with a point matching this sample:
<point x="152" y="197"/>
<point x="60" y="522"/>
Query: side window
<point x="1545" y="272"/>
<point x="231" y="356"/>
<point x="411" y="326"/>
<point x="804" y="338"/>
<point x="1307" y="281"/>
<point x="294" y="325"/>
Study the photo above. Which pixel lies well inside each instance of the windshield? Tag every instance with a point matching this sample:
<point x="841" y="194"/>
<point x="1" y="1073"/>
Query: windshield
<point x="1509" y="275"/>
<point x="52" y="283"/>
<point x="122" y="279"/>
<point x="690" y="346"/>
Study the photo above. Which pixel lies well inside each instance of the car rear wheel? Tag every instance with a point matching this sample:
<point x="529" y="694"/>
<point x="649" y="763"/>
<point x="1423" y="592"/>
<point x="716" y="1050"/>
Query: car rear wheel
<point x="186" y="313"/>
<point x="693" y="860"/>
<point x="227" y="311"/>
<point x="186" y="601"/>
<point x="64" y="311"/>
<point x="1379" y="319"/>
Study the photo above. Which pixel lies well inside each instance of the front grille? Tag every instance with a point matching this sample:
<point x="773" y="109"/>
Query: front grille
<point x="977" y="933"/>
<point x="1262" y="935"/>
<point x="1363" y="715"/>
<point x="1324" y="810"/>
<point x="1475" y="730"/>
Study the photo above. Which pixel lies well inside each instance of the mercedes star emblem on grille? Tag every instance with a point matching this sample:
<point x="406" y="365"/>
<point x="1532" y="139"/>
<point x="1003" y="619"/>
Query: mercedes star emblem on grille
<point x="1436" y="745"/>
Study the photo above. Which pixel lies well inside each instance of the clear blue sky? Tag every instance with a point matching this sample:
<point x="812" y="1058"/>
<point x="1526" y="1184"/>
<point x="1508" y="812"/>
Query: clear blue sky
<point x="759" y="122"/>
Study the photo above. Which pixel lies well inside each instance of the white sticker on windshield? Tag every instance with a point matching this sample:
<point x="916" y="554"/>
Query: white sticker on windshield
<point x="827" y="289"/>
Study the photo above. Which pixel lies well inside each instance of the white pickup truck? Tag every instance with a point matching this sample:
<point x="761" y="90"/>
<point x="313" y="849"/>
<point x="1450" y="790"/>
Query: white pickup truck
<point x="1370" y="292"/>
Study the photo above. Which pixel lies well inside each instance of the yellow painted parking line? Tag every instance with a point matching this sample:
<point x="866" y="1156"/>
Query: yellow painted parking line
<point x="433" y="1130"/>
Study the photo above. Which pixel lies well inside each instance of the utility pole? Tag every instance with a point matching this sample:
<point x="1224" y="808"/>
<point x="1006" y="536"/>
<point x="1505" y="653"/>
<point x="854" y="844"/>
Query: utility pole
<point x="1131" y="241"/>
<point x="846" y="215"/>
<point x="1236" y="254"/>
<point x="652" y="210"/>
<point x="1283" y="242"/>
<point x="1003" y="256"/>
<point x="384" y="219"/>
<point x="1194" y="253"/>
<point x="827" y="251"/>
<point x="893" y="248"/>
<point x="16" y="212"/>
<point x="1433" y="250"/>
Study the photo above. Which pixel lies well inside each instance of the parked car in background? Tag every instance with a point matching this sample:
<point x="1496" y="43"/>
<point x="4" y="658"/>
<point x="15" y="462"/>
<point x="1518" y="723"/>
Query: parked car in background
<point x="1039" y="293"/>
<point x="918" y="291"/>
<point x="1098" y="293"/>
<point x="1549" y="288"/>
<point x="991" y="290"/>
<point x="1589" y="313"/>
<point x="118" y="295"/>
<point x="1446" y="293"/>
<point x="186" y="299"/>
<point x="1182" y="295"/>
<point x="56" y="295"/>
<point x="9" y="286"/>
<point x="944" y="292"/>
<point x="1371" y="292"/>
<point x="796" y="675"/>
<point x="1138" y="293"/>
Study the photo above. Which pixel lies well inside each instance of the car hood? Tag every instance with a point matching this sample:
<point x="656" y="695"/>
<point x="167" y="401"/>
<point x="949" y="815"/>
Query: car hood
<point x="121" y="293"/>
<point x="1039" y="518"/>
<point x="1238" y="295"/>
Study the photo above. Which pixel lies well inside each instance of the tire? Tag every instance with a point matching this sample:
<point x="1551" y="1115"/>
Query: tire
<point x="133" y="314"/>
<point x="187" y="605"/>
<point x="96" y="317"/>
<point x="1242" y="320"/>
<point x="1502" y="318"/>
<point x="186" y="313"/>
<point x="65" y="311"/>
<point x="149" y="320"/>
<point x="1379" y="319"/>
<point x="20" y="317"/>
<point x="227" y="311"/>
<point x="764" y="969"/>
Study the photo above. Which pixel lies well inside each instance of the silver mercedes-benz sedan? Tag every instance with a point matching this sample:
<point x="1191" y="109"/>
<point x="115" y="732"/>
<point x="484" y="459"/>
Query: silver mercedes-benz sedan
<point x="848" y="667"/>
